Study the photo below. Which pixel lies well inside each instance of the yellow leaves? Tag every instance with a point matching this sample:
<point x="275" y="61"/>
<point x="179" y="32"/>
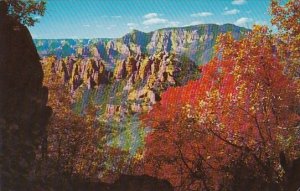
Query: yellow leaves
<point x="139" y="156"/>
<point x="221" y="126"/>
<point x="202" y="104"/>
<point x="258" y="29"/>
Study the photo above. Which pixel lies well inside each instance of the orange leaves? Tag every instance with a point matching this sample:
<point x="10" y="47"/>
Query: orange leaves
<point x="286" y="18"/>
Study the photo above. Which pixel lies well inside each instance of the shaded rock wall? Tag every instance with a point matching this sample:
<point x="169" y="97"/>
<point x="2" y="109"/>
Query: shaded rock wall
<point x="23" y="99"/>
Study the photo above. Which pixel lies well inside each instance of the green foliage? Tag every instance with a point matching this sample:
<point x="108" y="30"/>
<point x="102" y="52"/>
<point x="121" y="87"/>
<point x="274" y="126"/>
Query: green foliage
<point x="189" y="71"/>
<point x="26" y="12"/>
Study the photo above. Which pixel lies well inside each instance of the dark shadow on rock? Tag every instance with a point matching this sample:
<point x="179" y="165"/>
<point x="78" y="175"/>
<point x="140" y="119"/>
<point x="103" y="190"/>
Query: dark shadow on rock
<point x="140" y="183"/>
<point x="23" y="99"/>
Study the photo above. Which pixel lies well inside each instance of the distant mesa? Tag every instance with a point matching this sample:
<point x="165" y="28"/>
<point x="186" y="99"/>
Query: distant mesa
<point x="196" y="42"/>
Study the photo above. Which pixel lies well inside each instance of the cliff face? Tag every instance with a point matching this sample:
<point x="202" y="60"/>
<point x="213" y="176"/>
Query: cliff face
<point x="77" y="71"/>
<point x="23" y="99"/>
<point x="133" y="86"/>
<point x="195" y="42"/>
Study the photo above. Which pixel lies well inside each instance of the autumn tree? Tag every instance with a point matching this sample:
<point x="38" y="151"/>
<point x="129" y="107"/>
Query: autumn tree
<point x="287" y="19"/>
<point x="227" y="129"/>
<point x="25" y="11"/>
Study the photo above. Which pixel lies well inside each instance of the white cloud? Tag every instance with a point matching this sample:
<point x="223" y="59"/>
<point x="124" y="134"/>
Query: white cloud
<point x="196" y="23"/>
<point x="150" y="15"/>
<point x="173" y="24"/>
<point x="244" y="21"/>
<point x="238" y="2"/>
<point x="202" y="14"/>
<point x="231" y="12"/>
<point x="87" y="25"/>
<point x="155" y="21"/>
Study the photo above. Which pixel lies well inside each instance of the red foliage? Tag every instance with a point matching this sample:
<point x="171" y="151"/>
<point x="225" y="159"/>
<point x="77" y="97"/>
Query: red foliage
<point x="241" y="111"/>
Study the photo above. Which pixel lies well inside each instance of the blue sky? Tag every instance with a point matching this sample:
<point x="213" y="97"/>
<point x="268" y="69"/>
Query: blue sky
<point x="114" y="18"/>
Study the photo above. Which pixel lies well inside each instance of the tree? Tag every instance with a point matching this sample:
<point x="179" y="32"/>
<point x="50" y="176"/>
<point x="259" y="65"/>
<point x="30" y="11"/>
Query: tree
<point x="25" y="11"/>
<point x="232" y="122"/>
<point x="287" y="19"/>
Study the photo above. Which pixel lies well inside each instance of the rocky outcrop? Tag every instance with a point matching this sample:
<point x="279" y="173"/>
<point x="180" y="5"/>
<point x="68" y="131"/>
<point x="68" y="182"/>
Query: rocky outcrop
<point x="23" y="99"/>
<point x="133" y="87"/>
<point x="195" y="42"/>
<point x="78" y="71"/>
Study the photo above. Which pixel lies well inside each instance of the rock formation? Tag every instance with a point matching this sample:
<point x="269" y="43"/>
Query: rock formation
<point x="134" y="85"/>
<point x="23" y="99"/>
